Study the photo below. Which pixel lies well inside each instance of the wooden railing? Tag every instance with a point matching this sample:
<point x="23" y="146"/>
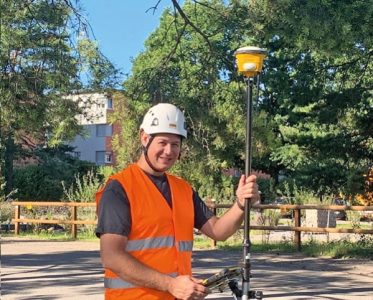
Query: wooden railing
<point x="74" y="221"/>
<point x="297" y="228"/>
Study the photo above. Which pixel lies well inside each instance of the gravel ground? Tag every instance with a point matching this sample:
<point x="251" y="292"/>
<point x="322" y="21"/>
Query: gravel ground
<point x="42" y="270"/>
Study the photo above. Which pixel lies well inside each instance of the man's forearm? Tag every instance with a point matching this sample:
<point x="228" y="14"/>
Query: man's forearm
<point x="222" y="228"/>
<point x="230" y="222"/>
<point x="130" y="269"/>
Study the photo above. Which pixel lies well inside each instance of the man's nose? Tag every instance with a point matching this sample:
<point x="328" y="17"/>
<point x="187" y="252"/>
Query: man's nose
<point x="167" y="149"/>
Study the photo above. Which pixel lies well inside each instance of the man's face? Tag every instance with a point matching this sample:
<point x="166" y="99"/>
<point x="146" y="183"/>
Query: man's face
<point x="164" y="150"/>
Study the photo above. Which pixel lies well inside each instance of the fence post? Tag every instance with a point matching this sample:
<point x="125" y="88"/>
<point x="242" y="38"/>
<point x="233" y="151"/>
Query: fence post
<point x="17" y="214"/>
<point x="211" y="204"/>
<point x="73" y="218"/>
<point x="214" y="210"/>
<point x="297" y="234"/>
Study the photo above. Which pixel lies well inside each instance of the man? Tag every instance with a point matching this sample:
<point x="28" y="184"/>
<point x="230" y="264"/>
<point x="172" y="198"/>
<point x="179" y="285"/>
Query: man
<point x="146" y="218"/>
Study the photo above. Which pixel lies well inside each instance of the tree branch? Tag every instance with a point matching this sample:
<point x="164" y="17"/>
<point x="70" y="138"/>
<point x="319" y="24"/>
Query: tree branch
<point x="154" y="8"/>
<point x="190" y="23"/>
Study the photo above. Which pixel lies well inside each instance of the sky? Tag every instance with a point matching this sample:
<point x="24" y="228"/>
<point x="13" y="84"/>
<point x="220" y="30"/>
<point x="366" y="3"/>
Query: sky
<point x="122" y="26"/>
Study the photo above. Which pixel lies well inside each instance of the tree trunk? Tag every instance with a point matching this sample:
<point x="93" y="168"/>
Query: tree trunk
<point x="8" y="162"/>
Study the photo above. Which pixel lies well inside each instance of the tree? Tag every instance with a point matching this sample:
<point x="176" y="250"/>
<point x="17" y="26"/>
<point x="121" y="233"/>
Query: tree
<point x="190" y="62"/>
<point x="313" y="119"/>
<point x="44" y="51"/>
<point x="318" y="88"/>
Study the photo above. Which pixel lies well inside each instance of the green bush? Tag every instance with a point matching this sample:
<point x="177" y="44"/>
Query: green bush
<point x="297" y="195"/>
<point x="36" y="183"/>
<point x="6" y="208"/>
<point x="7" y="211"/>
<point x="43" y="181"/>
<point x="266" y="187"/>
<point x="84" y="188"/>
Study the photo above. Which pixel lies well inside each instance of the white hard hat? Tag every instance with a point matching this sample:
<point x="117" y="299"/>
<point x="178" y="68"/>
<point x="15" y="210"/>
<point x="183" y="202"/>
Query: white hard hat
<point x="164" y="118"/>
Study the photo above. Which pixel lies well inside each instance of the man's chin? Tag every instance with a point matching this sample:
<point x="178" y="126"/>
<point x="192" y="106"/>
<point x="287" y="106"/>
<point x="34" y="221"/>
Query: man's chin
<point x="164" y="166"/>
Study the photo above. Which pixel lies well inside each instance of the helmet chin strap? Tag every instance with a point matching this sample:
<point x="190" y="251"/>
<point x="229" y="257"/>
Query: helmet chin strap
<point x="145" y="149"/>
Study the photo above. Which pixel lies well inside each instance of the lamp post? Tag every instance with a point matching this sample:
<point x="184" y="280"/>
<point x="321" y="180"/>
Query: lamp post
<point x="249" y="63"/>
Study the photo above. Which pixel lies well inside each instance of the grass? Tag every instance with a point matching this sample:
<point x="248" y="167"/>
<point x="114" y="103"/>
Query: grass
<point x="361" y="248"/>
<point x="57" y="236"/>
<point x="202" y="242"/>
<point x="361" y="225"/>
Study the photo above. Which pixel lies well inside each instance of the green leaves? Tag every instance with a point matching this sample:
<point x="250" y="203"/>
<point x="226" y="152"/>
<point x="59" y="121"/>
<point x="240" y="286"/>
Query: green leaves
<point x="42" y="58"/>
<point x="195" y="71"/>
<point x="317" y="79"/>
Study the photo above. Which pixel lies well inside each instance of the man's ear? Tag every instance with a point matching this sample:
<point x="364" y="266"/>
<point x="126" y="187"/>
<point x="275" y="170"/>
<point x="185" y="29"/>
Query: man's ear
<point x="144" y="138"/>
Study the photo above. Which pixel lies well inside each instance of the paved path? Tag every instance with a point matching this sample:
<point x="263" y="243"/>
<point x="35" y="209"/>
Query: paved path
<point x="44" y="270"/>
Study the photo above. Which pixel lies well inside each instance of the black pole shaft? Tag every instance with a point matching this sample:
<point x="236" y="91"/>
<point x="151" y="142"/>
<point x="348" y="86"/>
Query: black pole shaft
<point x="248" y="159"/>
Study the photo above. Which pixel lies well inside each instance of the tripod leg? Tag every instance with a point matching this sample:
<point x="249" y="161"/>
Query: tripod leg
<point x="255" y="295"/>
<point x="237" y="293"/>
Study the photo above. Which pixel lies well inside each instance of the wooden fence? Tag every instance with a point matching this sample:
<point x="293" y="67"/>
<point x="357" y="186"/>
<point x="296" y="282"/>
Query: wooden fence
<point x="297" y="228"/>
<point x="74" y="221"/>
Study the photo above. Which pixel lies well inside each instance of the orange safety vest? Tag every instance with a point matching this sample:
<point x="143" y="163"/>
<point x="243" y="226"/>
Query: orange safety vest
<point x="161" y="237"/>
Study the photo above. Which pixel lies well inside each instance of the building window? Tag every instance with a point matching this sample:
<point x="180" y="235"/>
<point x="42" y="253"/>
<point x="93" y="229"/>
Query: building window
<point x="100" y="130"/>
<point x="104" y="130"/>
<point x="104" y="157"/>
<point x="108" y="158"/>
<point x="109" y="130"/>
<point x="100" y="157"/>
<point x="77" y="154"/>
<point x="110" y="103"/>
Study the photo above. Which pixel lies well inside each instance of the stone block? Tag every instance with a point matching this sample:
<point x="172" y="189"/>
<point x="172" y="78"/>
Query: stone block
<point x="320" y="218"/>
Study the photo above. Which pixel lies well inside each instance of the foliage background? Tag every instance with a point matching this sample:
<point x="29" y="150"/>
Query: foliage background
<point x="46" y="53"/>
<point x="313" y="118"/>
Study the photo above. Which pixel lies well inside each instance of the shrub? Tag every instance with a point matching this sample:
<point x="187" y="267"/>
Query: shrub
<point x="7" y="211"/>
<point x="6" y="208"/>
<point x="266" y="187"/>
<point x="268" y="218"/>
<point x="36" y="183"/>
<point x="83" y="190"/>
<point x="43" y="181"/>
<point x="297" y="195"/>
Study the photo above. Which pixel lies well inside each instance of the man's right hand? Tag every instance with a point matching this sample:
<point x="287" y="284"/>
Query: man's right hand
<point x="186" y="287"/>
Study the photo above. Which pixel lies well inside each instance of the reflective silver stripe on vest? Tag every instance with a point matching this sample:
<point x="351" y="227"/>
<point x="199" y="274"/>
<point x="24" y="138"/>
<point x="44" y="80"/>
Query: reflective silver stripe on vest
<point x="185" y="246"/>
<point x="150" y="243"/>
<point x="117" y="283"/>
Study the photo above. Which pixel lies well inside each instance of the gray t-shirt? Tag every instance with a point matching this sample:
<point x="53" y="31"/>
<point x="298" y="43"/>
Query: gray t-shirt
<point x="114" y="213"/>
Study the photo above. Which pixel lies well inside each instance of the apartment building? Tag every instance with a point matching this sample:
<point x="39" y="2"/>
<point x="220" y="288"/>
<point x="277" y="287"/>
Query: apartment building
<point x="95" y="144"/>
